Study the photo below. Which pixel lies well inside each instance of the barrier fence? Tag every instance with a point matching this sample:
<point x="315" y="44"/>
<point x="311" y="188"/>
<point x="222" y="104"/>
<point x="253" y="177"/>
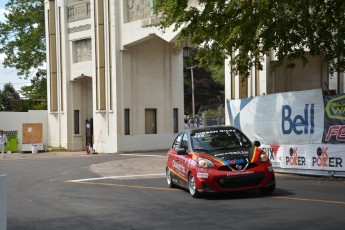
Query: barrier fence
<point x="303" y="131"/>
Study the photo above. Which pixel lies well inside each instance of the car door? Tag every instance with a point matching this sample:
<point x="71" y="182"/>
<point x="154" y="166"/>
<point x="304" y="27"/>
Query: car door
<point x="173" y="157"/>
<point x="177" y="159"/>
<point x="181" y="161"/>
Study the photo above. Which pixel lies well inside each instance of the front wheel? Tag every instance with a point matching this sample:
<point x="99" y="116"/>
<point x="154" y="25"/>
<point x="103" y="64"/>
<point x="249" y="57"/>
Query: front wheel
<point x="268" y="190"/>
<point x="169" y="178"/>
<point x="193" y="190"/>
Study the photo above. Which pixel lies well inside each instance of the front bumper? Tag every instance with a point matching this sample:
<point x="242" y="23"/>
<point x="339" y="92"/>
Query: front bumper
<point x="214" y="180"/>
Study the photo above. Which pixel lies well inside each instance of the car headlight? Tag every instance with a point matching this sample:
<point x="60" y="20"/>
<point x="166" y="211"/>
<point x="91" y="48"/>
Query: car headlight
<point x="263" y="157"/>
<point x="205" y="163"/>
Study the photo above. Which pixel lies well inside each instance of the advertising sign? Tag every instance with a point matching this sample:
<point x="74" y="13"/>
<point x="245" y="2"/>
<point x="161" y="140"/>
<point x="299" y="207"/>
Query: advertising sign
<point x="282" y="118"/>
<point x="335" y="119"/>
<point x="312" y="156"/>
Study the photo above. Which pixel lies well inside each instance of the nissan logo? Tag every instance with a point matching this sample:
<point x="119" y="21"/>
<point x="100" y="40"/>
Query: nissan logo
<point x="238" y="167"/>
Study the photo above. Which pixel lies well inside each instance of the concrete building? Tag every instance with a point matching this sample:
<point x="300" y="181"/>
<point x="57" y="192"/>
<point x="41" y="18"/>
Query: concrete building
<point x="114" y="79"/>
<point x="314" y="75"/>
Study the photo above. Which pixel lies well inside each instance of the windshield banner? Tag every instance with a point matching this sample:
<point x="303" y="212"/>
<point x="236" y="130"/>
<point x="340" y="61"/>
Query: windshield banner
<point x="335" y="119"/>
<point x="282" y="118"/>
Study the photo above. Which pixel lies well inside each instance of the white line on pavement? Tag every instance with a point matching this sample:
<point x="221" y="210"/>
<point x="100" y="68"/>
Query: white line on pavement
<point x="118" y="177"/>
<point x="140" y="155"/>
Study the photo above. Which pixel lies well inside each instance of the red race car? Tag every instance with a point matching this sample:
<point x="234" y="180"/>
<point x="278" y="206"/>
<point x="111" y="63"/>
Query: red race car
<point x="218" y="159"/>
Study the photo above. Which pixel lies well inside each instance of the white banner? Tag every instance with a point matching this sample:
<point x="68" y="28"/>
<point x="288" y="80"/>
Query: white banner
<point x="327" y="157"/>
<point x="282" y="118"/>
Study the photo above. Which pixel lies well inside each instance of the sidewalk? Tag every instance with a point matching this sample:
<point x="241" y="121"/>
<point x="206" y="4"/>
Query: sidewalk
<point x="30" y="155"/>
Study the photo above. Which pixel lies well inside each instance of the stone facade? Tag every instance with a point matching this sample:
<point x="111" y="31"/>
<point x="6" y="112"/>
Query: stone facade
<point x="139" y="9"/>
<point x="114" y="80"/>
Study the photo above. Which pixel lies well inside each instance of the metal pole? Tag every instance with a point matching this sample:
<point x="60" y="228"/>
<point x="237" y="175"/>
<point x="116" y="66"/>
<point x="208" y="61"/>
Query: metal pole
<point x="193" y="103"/>
<point x="192" y="76"/>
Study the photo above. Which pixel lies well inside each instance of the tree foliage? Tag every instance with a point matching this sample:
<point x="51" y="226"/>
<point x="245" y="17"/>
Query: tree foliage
<point x="36" y="93"/>
<point x="11" y="101"/>
<point x="9" y="98"/>
<point x="253" y="28"/>
<point x="208" y="91"/>
<point x="22" y="40"/>
<point x="22" y="37"/>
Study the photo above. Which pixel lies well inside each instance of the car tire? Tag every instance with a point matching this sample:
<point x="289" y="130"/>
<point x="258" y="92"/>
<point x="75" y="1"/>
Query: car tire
<point x="193" y="190"/>
<point x="268" y="190"/>
<point x="169" y="178"/>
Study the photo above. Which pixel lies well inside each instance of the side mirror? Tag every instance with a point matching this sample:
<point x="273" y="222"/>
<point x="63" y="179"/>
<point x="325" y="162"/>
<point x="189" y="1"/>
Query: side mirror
<point x="181" y="151"/>
<point x="257" y="143"/>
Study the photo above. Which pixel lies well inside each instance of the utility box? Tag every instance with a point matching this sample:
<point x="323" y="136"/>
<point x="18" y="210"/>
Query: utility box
<point x="32" y="135"/>
<point x="12" y="141"/>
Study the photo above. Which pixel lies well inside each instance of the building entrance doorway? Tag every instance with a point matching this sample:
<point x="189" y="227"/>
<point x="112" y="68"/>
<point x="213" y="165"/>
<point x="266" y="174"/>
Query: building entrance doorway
<point x="150" y="121"/>
<point x="89" y="133"/>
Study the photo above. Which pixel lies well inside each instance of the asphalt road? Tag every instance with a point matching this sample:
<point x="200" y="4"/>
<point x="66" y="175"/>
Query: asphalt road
<point x="114" y="191"/>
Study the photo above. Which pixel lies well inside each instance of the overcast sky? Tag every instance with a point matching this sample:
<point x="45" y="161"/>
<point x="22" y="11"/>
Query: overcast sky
<point x="8" y="74"/>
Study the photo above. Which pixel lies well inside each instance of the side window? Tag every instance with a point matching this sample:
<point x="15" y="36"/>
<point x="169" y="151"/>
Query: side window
<point x="243" y="140"/>
<point x="177" y="141"/>
<point x="184" y="143"/>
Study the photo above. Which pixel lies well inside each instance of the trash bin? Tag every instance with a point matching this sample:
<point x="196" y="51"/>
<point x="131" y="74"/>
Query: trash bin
<point x="34" y="148"/>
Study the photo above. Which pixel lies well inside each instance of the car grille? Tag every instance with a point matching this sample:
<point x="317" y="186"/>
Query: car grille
<point x="239" y="181"/>
<point x="227" y="168"/>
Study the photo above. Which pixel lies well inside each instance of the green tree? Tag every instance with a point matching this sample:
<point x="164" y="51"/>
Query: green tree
<point x="9" y="98"/>
<point x="36" y="93"/>
<point x="208" y="84"/>
<point x="22" y="40"/>
<point x="218" y="74"/>
<point x="22" y="37"/>
<point x="255" y="27"/>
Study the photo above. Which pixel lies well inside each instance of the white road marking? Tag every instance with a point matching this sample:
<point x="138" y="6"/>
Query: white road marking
<point x="120" y="177"/>
<point x="125" y="176"/>
<point x="140" y="155"/>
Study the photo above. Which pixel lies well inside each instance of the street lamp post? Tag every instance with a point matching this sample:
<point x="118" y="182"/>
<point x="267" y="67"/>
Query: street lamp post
<point x="186" y="54"/>
<point x="193" y="103"/>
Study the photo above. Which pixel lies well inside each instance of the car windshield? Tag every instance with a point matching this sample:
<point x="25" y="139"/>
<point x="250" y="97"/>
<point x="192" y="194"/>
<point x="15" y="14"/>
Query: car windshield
<point x="212" y="140"/>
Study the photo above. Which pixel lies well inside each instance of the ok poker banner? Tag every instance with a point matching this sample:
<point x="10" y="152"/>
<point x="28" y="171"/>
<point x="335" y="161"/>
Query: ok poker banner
<point x="324" y="157"/>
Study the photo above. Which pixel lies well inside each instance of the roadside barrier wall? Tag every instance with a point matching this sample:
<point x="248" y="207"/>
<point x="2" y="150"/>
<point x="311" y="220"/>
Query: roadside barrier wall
<point x="302" y="132"/>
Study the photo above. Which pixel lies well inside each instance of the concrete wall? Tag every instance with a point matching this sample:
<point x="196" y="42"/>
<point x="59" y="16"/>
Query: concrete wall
<point x="12" y="121"/>
<point x="311" y="76"/>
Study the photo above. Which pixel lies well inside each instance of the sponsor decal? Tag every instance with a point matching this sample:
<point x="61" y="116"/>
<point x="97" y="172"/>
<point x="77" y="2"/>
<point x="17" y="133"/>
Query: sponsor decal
<point x="232" y="153"/>
<point x="335" y="108"/>
<point x="202" y="134"/>
<point x="300" y="124"/>
<point x="192" y="162"/>
<point x="323" y="160"/>
<point x="272" y="152"/>
<point x="202" y="175"/>
<point x="236" y="161"/>
<point x="337" y="131"/>
<point x="236" y="173"/>
<point x="294" y="159"/>
<point x="179" y="168"/>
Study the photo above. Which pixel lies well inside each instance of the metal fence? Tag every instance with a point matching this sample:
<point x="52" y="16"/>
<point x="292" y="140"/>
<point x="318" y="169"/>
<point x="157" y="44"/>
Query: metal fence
<point x="211" y="115"/>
